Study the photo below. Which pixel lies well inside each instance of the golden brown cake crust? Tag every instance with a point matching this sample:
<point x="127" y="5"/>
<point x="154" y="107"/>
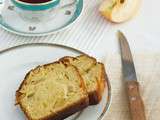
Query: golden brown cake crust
<point x="62" y="114"/>
<point x="80" y="105"/>
<point x="96" y="95"/>
<point x="65" y="58"/>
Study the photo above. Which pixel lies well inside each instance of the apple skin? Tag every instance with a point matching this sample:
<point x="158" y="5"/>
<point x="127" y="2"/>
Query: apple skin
<point x="119" y="11"/>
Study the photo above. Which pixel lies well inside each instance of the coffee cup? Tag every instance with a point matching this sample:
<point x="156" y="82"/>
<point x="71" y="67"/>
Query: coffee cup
<point x="37" y="10"/>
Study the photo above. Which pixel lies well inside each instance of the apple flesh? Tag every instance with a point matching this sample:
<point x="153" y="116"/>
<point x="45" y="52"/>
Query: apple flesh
<point x="119" y="10"/>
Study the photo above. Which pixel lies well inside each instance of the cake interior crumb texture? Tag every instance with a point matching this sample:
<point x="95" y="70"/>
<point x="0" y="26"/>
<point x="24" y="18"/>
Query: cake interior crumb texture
<point x="49" y="89"/>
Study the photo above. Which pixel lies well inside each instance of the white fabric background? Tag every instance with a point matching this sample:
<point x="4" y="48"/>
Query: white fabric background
<point x="94" y="35"/>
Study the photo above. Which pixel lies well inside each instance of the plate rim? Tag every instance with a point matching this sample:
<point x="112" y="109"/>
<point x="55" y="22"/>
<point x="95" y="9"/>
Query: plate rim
<point x="69" y="24"/>
<point x="109" y="96"/>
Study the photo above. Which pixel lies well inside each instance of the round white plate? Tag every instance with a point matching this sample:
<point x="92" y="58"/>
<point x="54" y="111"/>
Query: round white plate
<point x="15" y="62"/>
<point x="63" y="18"/>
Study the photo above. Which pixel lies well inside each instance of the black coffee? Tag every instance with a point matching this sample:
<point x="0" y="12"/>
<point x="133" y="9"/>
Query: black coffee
<point x="35" y="1"/>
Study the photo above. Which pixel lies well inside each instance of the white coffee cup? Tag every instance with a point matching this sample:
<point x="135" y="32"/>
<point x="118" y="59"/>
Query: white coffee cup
<point x="37" y="11"/>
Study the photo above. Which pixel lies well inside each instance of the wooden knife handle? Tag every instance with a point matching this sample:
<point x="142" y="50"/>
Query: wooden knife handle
<point x="136" y="104"/>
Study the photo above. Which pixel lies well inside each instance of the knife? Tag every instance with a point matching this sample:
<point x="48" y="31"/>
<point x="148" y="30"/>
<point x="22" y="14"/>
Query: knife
<point x="129" y="75"/>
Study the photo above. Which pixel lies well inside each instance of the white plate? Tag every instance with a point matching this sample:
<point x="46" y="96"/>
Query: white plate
<point x="17" y="61"/>
<point x="63" y="18"/>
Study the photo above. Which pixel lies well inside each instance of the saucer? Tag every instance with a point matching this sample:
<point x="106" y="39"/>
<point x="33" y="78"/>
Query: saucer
<point x="62" y="18"/>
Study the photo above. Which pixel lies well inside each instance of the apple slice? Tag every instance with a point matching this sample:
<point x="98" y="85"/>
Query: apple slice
<point x="119" y="10"/>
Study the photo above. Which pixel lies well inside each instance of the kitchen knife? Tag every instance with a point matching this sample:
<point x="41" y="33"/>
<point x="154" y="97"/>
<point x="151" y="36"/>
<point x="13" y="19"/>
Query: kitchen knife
<point x="129" y="75"/>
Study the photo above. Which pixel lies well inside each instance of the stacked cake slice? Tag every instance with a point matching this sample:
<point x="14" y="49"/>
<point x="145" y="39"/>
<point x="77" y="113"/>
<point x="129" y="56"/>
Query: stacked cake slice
<point x="60" y="89"/>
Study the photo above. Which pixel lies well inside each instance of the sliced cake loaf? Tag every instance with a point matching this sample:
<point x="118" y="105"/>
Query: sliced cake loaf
<point x="52" y="92"/>
<point x="93" y="74"/>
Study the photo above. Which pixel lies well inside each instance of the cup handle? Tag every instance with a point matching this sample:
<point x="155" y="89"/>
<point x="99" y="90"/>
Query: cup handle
<point x="69" y="4"/>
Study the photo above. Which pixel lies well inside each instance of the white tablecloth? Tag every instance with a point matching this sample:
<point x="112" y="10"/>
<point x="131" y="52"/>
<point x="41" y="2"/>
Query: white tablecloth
<point x="96" y="36"/>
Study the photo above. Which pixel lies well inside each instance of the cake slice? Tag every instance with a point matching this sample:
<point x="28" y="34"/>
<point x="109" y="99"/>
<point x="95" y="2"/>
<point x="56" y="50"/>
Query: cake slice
<point x="52" y="91"/>
<point x="93" y="74"/>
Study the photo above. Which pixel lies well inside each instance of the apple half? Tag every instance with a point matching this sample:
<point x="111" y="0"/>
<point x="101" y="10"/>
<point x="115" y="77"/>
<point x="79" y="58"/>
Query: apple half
<point x="119" y="10"/>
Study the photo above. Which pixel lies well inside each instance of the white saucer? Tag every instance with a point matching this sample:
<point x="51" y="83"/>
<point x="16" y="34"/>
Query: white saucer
<point x="15" y="62"/>
<point x="63" y="18"/>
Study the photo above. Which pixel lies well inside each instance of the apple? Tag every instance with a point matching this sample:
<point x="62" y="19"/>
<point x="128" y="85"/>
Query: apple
<point x="119" y="10"/>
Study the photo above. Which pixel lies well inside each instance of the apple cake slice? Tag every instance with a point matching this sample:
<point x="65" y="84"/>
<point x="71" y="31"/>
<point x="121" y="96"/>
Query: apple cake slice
<point x="93" y="74"/>
<point x="52" y="91"/>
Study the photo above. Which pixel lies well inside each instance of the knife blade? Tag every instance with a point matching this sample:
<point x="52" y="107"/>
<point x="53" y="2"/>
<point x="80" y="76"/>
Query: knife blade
<point x="136" y="104"/>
